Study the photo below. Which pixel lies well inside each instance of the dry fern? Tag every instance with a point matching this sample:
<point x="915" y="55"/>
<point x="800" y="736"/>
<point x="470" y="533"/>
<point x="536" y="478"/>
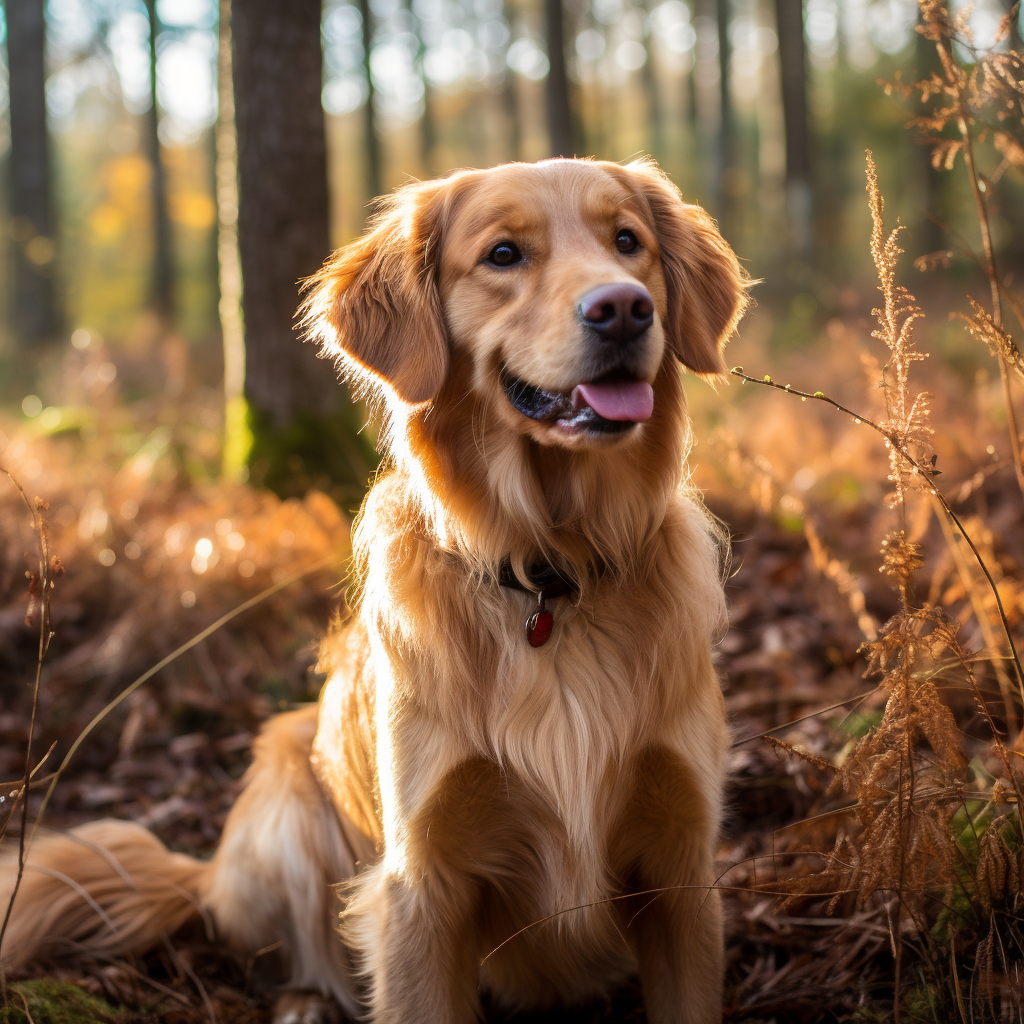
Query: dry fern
<point x="907" y="415"/>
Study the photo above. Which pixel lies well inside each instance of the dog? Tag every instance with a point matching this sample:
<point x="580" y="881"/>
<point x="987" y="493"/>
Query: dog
<point x="516" y="766"/>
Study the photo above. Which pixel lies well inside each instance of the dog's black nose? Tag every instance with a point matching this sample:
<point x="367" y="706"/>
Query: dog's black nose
<point x="617" y="312"/>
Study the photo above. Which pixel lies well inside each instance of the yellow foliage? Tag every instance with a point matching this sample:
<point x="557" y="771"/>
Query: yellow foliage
<point x="106" y="222"/>
<point x="192" y="210"/>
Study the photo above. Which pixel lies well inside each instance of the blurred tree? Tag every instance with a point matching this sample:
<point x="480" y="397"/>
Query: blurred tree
<point x="510" y="100"/>
<point x="1013" y="9"/>
<point x="237" y="440"/>
<point x="930" y="236"/>
<point x="557" y="93"/>
<point x="428" y="133"/>
<point x="374" y="164"/>
<point x="34" y="310"/>
<point x="652" y="91"/>
<point x="162" y="284"/>
<point x="793" y="63"/>
<point x="302" y="425"/>
<point x="726" y="170"/>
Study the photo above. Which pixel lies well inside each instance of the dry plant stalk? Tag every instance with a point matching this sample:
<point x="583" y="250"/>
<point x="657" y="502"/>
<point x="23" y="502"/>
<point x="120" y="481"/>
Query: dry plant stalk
<point x="910" y="841"/>
<point x="907" y="424"/>
<point x="40" y="586"/>
<point x="991" y="85"/>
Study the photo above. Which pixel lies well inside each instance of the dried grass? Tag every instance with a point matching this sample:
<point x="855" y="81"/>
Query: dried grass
<point x="918" y="836"/>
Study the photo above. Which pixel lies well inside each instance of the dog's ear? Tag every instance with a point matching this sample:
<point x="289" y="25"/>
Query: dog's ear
<point x="707" y="287"/>
<point x="375" y="307"/>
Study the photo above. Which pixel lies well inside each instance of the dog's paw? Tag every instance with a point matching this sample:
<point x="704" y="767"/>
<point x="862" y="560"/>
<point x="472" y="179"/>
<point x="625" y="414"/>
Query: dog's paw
<point x="298" y="1007"/>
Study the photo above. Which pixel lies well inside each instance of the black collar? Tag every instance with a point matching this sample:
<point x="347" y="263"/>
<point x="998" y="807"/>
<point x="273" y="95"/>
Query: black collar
<point x="544" y="579"/>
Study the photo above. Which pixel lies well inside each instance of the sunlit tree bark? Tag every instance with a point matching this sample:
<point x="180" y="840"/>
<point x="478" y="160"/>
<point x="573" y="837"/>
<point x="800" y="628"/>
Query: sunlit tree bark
<point x="34" y="313"/>
<point x="236" y="432"/>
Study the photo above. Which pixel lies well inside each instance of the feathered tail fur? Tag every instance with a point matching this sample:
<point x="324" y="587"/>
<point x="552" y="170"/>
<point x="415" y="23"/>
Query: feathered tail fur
<point x="113" y="887"/>
<point x="107" y="886"/>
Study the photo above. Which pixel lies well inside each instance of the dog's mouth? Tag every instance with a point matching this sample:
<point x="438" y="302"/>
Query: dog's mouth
<point x="613" y="403"/>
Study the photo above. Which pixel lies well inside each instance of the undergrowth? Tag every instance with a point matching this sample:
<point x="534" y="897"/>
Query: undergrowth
<point x="920" y="837"/>
<point x="905" y="846"/>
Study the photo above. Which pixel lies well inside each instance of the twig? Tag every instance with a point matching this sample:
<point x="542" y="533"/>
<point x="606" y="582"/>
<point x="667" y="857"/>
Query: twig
<point x="186" y="969"/>
<point x="24" y="1000"/>
<point x="925" y="473"/>
<point x="804" y="718"/>
<point x="647" y="892"/>
<point x="44" y="583"/>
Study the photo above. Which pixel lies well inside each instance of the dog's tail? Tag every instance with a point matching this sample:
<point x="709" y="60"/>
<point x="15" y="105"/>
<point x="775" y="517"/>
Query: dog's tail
<point x="108" y="886"/>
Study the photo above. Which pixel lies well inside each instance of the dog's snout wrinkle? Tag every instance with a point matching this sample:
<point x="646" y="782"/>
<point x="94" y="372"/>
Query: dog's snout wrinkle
<point x="618" y="312"/>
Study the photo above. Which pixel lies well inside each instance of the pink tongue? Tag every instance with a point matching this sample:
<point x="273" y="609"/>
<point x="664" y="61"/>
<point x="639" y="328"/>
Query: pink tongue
<point x="620" y="400"/>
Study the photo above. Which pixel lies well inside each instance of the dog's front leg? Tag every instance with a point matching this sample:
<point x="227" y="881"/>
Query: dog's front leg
<point x="415" y="931"/>
<point x="665" y="847"/>
<point x="679" y="950"/>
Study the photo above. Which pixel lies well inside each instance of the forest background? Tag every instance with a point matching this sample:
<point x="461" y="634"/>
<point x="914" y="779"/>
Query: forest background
<point x="170" y="170"/>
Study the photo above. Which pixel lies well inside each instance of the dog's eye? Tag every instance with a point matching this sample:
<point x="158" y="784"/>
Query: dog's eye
<point x="504" y="254"/>
<point x="625" y="241"/>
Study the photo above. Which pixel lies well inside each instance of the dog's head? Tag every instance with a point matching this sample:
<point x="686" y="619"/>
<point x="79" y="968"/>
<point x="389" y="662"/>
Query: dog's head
<point x="554" y="302"/>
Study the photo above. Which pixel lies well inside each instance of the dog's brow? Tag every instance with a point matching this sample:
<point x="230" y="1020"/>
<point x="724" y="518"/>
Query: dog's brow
<point x="511" y="217"/>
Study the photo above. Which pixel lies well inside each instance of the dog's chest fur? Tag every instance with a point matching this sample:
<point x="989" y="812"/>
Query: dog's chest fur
<point x="512" y="766"/>
<point x="454" y="680"/>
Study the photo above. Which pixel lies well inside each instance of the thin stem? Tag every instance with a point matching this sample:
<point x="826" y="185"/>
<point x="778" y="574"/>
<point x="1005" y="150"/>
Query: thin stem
<point x="993" y="281"/>
<point x="43" y="583"/>
<point x="981" y="614"/>
<point x="925" y="473"/>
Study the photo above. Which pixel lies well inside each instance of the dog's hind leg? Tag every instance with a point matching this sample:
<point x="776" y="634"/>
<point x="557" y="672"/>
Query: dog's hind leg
<point x="273" y="878"/>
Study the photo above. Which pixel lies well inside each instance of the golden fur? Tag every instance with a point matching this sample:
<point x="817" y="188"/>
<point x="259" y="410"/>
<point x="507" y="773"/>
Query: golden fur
<point x="462" y="784"/>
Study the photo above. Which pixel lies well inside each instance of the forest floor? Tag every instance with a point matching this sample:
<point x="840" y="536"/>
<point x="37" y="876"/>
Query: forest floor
<point x="152" y="555"/>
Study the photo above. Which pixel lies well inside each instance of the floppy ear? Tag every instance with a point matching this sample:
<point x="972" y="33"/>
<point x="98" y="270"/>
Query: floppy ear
<point x="375" y="307"/>
<point x="707" y="287"/>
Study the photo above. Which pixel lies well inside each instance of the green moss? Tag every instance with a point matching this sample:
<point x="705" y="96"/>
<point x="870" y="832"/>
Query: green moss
<point x="331" y="453"/>
<point x="55" y="1002"/>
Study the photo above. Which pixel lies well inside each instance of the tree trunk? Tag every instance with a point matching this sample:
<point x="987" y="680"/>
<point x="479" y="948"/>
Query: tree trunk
<point x="237" y="440"/>
<point x="557" y="91"/>
<point x="428" y="133"/>
<point x="930" y="235"/>
<point x="514" y="120"/>
<point x="302" y="424"/>
<point x="1013" y="7"/>
<point x="793" y="64"/>
<point x="726" y="130"/>
<point x="33" y="313"/>
<point x="161" y="296"/>
<point x="655" y="113"/>
<point x="371" y="144"/>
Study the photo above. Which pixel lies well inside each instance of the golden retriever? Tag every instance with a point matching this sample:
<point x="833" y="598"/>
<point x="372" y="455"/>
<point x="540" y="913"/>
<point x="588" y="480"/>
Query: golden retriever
<point x="516" y="765"/>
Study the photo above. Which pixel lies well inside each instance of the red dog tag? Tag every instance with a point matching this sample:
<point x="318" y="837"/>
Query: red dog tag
<point x="539" y="624"/>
